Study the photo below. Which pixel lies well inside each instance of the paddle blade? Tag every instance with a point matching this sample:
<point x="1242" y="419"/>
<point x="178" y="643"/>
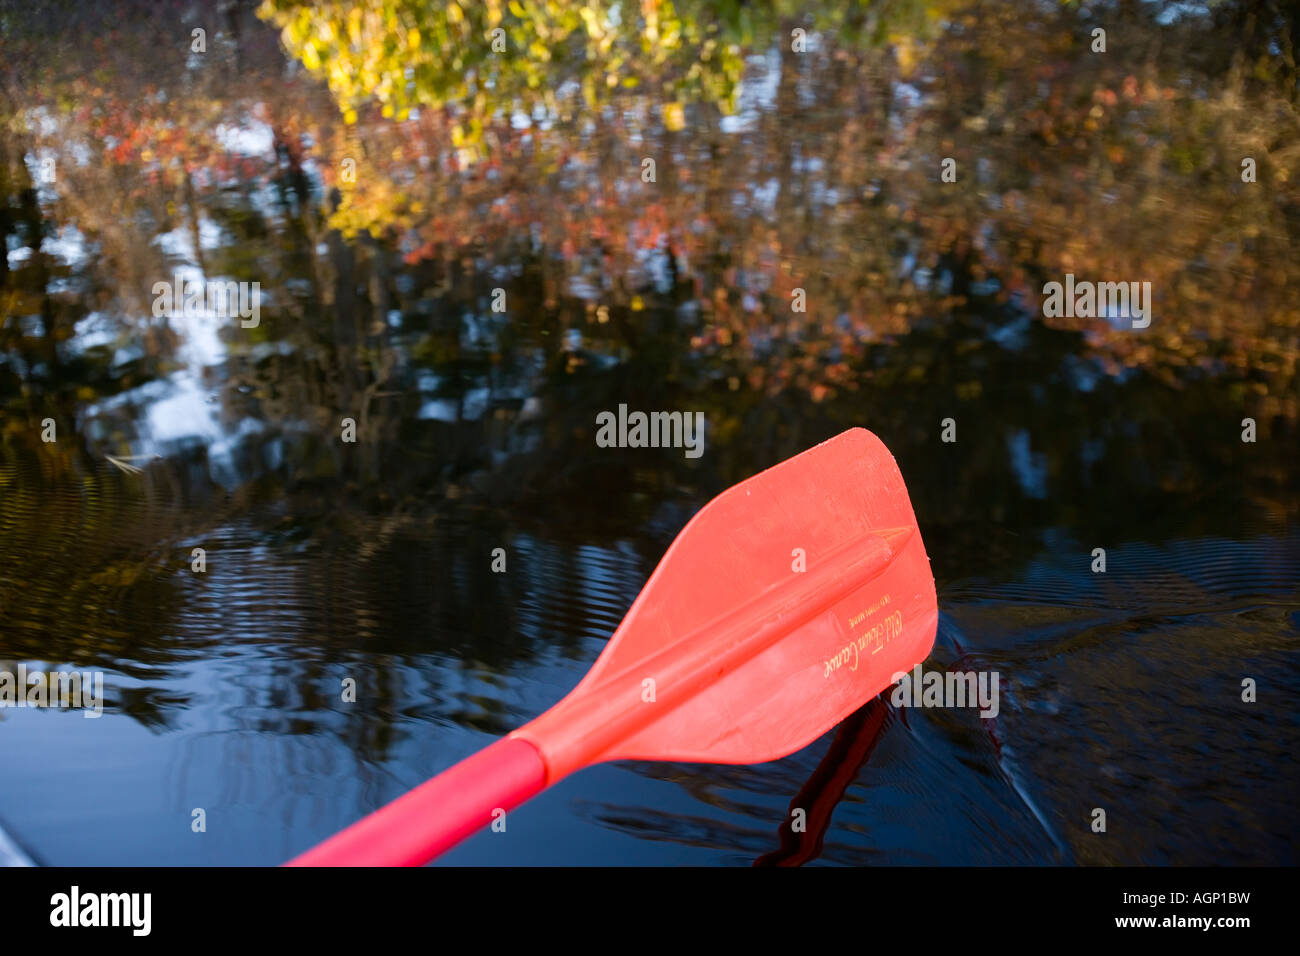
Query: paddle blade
<point x="785" y="604"/>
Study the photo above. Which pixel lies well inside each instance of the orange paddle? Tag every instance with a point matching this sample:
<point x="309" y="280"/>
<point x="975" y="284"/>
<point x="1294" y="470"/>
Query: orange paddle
<point x="785" y="604"/>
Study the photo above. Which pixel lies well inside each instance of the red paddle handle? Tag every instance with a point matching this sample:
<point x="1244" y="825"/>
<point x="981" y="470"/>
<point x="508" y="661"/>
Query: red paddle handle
<point x="438" y="814"/>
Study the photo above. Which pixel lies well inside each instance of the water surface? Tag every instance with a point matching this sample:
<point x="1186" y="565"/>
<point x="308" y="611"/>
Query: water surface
<point x="775" y="171"/>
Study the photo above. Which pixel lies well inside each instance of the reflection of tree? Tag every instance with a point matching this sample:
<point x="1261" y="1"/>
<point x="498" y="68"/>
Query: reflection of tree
<point x="506" y="56"/>
<point x="1130" y="167"/>
<point x="921" y="298"/>
<point x="1108" y="166"/>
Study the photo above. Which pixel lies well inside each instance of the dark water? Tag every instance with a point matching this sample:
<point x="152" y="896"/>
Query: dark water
<point x="372" y="560"/>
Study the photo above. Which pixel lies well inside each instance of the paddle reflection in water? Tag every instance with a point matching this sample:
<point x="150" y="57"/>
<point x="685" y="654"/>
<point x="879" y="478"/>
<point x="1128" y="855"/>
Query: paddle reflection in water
<point x="810" y="810"/>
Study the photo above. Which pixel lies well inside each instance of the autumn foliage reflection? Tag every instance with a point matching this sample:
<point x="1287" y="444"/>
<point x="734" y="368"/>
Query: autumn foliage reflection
<point x="820" y="171"/>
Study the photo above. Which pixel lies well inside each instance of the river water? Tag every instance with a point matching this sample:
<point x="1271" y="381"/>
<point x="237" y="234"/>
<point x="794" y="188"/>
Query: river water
<point x="324" y="560"/>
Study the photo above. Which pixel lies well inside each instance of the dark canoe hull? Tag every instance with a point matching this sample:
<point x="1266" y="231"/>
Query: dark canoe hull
<point x="11" y="854"/>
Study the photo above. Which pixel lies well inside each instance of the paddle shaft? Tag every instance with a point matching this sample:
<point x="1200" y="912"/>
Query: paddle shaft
<point x="438" y="814"/>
